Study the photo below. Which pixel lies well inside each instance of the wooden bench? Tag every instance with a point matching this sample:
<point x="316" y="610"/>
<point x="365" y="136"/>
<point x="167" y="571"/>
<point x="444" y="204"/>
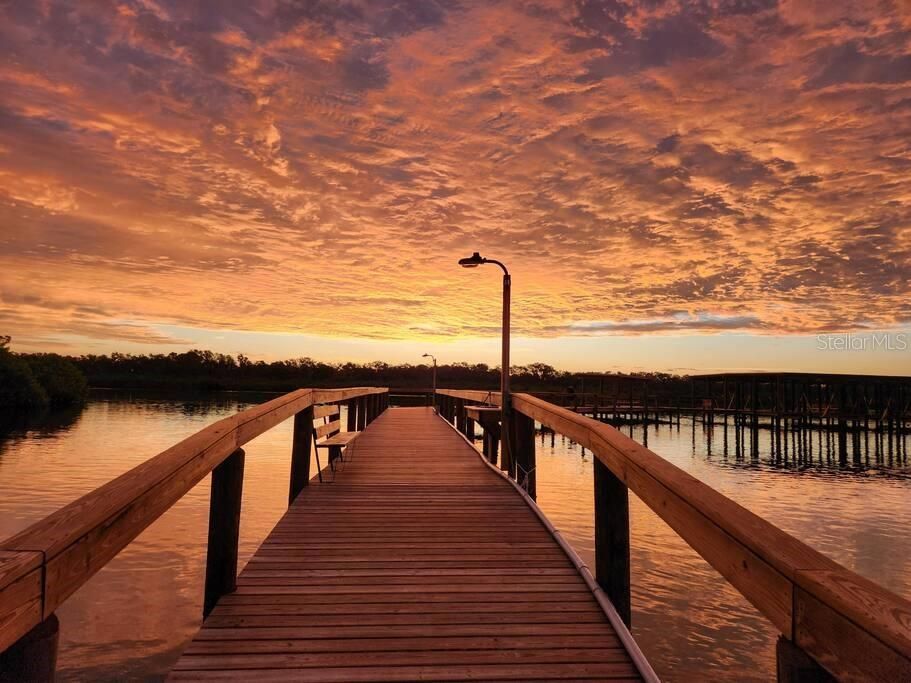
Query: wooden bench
<point x="327" y="432"/>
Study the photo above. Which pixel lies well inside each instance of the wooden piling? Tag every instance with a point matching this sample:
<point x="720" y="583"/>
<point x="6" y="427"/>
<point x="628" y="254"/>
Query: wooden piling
<point x="523" y="443"/>
<point x="300" y="452"/>
<point x="361" y="413"/>
<point x="796" y="666"/>
<point x="33" y="658"/>
<point x="612" y="548"/>
<point x="351" y="421"/>
<point x="224" y="529"/>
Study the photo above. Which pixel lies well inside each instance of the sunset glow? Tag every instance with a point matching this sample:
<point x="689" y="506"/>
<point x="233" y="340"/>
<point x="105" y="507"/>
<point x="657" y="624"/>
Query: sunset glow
<point x="675" y="186"/>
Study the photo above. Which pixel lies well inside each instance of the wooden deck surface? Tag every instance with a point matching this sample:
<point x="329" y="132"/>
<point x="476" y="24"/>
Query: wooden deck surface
<point x="417" y="563"/>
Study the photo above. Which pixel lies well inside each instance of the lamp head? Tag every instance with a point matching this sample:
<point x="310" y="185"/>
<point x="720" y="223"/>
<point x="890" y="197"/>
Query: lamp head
<point x="472" y="261"/>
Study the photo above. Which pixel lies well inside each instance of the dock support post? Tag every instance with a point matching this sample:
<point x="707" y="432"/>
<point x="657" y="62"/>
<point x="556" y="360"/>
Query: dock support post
<point x="33" y="658"/>
<point x="523" y="443"/>
<point x="361" y="413"/>
<point x="351" y="422"/>
<point x="458" y="417"/>
<point x="469" y="429"/>
<point x="796" y="666"/>
<point x="224" y="529"/>
<point x="493" y="447"/>
<point x="612" y="539"/>
<point x="300" y="452"/>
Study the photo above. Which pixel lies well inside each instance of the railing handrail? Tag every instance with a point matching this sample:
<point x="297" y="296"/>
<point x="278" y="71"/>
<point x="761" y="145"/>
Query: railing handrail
<point x="43" y="565"/>
<point x="849" y="624"/>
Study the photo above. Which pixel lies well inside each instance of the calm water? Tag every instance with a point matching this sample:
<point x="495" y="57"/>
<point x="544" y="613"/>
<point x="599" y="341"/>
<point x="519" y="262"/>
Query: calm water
<point x="132" y="619"/>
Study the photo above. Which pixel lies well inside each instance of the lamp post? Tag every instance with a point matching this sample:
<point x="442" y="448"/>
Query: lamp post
<point x="433" y="400"/>
<point x="474" y="261"/>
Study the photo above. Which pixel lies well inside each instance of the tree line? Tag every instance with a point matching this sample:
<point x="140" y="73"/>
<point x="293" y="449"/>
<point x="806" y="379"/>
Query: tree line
<point x="38" y="380"/>
<point x="63" y="379"/>
<point x="208" y="371"/>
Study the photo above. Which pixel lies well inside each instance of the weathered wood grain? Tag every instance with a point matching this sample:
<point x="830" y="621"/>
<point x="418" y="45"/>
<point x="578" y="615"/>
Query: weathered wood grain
<point x="20" y="595"/>
<point x="80" y="538"/>
<point x="325" y="411"/>
<point x="423" y="560"/>
<point x="324" y="430"/>
<point x="802" y="592"/>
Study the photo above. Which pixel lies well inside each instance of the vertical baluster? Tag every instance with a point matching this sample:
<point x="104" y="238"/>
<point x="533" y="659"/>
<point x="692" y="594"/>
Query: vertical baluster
<point x="523" y="443"/>
<point x="34" y="656"/>
<point x="612" y="539"/>
<point x="300" y="452"/>
<point x="351" y="422"/>
<point x="224" y="529"/>
<point x="361" y="413"/>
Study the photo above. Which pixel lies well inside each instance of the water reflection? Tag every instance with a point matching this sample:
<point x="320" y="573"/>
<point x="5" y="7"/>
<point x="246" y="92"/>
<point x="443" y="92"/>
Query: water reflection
<point x="46" y="423"/>
<point x="133" y="618"/>
<point x="691" y="624"/>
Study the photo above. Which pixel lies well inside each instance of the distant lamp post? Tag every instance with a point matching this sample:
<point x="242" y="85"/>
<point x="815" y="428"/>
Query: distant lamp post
<point x="433" y="400"/>
<point x="474" y="261"/>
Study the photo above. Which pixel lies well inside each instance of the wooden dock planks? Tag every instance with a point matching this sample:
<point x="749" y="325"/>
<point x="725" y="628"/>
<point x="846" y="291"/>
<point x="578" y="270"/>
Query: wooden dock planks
<point x="416" y="563"/>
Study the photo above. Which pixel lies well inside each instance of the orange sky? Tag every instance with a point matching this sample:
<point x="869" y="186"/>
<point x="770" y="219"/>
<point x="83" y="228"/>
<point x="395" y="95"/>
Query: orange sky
<point x="673" y="185"/>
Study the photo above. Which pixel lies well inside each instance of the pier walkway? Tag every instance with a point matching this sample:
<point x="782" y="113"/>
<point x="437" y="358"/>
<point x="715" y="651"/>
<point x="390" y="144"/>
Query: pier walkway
<point x="417" y="562"/>
<point x="417" y="558"/>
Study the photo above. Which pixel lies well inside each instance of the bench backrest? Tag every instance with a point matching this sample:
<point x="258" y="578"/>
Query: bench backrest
<point x="326" y="421"/>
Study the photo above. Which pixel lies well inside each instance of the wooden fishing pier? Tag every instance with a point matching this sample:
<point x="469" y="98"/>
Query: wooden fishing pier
<point x="415" y="557"/>
<point x="864" y="401"/>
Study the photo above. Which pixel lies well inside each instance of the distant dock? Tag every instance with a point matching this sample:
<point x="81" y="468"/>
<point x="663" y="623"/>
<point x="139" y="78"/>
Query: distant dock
<point x="409" y="555"/>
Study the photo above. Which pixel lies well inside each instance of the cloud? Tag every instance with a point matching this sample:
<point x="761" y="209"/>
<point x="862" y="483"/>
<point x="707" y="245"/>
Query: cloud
<point x="318" y="167"/>
<point x="677" y="323"/>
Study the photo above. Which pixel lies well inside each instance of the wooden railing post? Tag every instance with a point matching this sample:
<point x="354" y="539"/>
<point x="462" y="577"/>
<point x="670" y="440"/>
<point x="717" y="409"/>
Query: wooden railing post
<point x="507" y="444"/>
<point x="351" y="425"/>
<point x="361" y="413"/>
<point x="458" y="418"/>
<point x="32" y="658"/>
<point x="523" y="450"/>
<point x="300" y="452"/>
<point x="469" y="429"/>
<point x="612" y="539"/>
<point x="224" y="529"/>
<point x="796" y="666"/>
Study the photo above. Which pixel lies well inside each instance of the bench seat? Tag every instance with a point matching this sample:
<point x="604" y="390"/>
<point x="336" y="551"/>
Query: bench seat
<point x="340" y="439"/>
<point x="327" y="433"/>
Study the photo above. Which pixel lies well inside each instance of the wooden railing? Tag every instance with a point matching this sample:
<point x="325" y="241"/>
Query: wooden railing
<point x="827" y="615"/>
<point x="45" y="564"/>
